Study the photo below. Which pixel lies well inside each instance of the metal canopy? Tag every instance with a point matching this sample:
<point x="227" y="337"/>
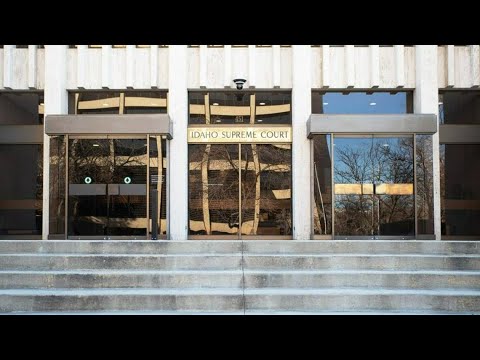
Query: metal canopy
<point x="159" y="124"/>
<point x="371" y="123"/>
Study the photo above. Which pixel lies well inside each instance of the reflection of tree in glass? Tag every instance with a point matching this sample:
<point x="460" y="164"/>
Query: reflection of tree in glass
<point x="382" y="161"/>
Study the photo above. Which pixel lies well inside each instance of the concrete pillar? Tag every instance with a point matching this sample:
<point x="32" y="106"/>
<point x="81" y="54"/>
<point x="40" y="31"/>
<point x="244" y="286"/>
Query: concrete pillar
<point x="301" y="110"/>
<point x="178" y="148"/>
<point x="8" y="62"/>
<point x="32" y="66"/>
<point x="56" y="102"/>
<point x="426" y="102"/>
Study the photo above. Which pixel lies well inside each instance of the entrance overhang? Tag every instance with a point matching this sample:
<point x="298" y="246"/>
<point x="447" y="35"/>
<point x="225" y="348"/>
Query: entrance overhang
<point x="154" y="124"/>
<point x="371" y="123"/>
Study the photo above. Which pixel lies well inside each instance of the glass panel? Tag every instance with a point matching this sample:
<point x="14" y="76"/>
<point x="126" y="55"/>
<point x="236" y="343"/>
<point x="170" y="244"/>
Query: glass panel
<point x="234" y="107"/>
<point x="322" y="185"/>
<point x="459" y="107"/>
<point x="57" y="185"/>
<point x="21" y="189"/>
<point x="353" y="165"/>
<point x="361" y="103"/>
<point x="108" y="102"/>
<point x="21" y="108"/>
<point x="424" y="190"/>
<point x="393" y="179"/>
<point x="213" y="189"/>
<point x="374" y="186"/>
<point x="460" y="193"/>
<point x="90" y="170"/>
<point x="158" y="184"/>
<point x="266" y="189"/>
<point x="127" y="192"/>
<point x="143" y="102"/>
<point x="95" y="102"/>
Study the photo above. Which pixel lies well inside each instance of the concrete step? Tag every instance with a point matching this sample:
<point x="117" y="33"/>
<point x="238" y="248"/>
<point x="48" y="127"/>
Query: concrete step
<point x="115" y="261"/>
<point x="362" y="246"/>
<point x="120" y="279"/>
<point x="233" y="279"/>
<point x="249" y="246"/>
<point x="231" y="300"/>
<point x="193" y="299"/>
<point x="119" y="246"/>
<point x="246" y="312"/>
<point x="234" y="262"/>
<point x="354" y="299"/>
<point x="362" y="261"/>
<point x="363" y="278"/>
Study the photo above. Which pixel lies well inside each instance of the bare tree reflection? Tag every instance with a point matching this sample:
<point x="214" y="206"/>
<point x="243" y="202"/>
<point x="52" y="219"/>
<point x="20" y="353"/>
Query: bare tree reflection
<point x="374" y="161"/>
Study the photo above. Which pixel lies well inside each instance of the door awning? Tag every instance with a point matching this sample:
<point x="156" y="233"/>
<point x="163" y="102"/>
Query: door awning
<point x="371" y="123"/>
<point x="154" y="124"/>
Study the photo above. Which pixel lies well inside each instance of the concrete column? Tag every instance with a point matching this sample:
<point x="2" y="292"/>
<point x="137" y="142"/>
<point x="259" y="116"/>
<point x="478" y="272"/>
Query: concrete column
<point x="276" y="65"/>
<point x="154" y="66"/>
<point x="399" y="65"/>
<point x="301" y="109"/>
<point x="56" y="102"/>
<point x="178" y="148"/>
<point x="32" y="66"/>
<point x="8" y="61"/>
<point x="426" y="102"/>
<point x="106" y="65"/>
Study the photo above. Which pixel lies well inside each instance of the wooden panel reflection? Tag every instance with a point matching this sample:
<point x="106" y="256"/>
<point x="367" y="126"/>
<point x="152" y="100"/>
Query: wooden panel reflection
<point x="350" y="189"/>
<point x="394" y="189"/>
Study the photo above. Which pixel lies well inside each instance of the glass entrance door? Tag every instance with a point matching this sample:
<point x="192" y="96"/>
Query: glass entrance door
<point x="373" y="186"/>
<point x="107" y="187"/>
<point x="240" y="191"/>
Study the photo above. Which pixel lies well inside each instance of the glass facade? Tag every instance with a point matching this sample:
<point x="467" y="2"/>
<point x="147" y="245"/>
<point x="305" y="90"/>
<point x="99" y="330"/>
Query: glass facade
<point x="373" y="186"/>
<point x="459" y="107"/>
<point x="459" y="164"/>
<point x="460" y="193"/>
<point x="370" y="185"/>
<point x="21" y="164"/>
<point x="355" y="102"/>
<point x="242" y="189"/>
<point x="234" y="107"/>
<point x="116" y="102"/>
<point x="110" y="186"/>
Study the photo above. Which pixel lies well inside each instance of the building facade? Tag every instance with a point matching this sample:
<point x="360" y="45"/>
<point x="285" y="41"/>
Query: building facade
<point x="239" y="142"/>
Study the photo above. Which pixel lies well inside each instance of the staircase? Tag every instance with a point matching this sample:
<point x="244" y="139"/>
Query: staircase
<point x="235" y="277"/>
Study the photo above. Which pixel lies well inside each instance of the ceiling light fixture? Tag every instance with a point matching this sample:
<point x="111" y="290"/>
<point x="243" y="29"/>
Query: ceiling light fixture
<point x="215" y="104"/>
<point x="373" y="103"/>
<point x="96" y="145"/>
<point x="261" y="104"/>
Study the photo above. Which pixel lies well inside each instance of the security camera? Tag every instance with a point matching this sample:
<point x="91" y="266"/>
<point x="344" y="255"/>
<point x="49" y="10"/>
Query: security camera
<point x="239" y="83"/>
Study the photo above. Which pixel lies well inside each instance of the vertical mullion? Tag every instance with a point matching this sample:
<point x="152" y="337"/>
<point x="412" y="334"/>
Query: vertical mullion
<point x="66" y="185"/>
<point x="148" y="187"/>
<point x="239" y="191"/>
<point x="332" y="186"/>
<point x="415" y="183"/>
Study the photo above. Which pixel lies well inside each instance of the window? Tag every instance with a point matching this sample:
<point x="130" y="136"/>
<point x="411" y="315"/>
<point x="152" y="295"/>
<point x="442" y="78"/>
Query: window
<point x="362" y="102"/>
